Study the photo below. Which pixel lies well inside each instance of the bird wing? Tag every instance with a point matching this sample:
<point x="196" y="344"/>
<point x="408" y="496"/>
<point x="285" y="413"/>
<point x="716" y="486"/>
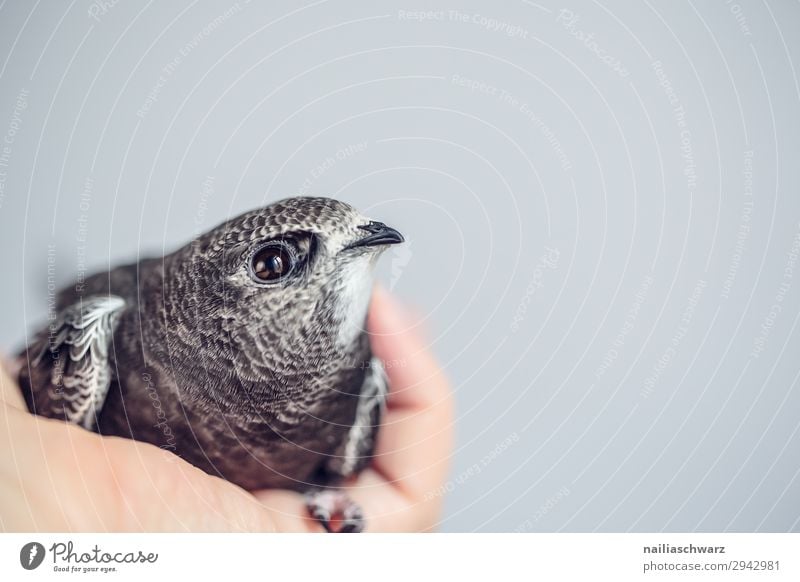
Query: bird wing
<point x="361" y="436"/>
<point x="70" y="374"/>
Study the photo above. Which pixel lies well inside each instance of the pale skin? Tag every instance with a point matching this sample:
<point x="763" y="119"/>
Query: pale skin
<point x="57" y="477"/>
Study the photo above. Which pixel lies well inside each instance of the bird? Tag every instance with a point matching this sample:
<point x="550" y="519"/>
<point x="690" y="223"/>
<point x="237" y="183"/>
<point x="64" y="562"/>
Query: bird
<point x="244" y="352"/>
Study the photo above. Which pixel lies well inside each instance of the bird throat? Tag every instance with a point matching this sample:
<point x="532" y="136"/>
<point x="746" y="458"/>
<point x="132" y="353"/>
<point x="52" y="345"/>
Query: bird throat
<point x="352" y="300"/>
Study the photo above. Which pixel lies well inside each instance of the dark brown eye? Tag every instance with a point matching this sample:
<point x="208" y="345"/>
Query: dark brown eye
<point x="271" y="263"/>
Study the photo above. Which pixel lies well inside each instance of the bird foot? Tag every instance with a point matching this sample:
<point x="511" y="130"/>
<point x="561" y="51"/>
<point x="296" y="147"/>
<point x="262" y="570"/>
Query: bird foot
<point x="335" y="511"/>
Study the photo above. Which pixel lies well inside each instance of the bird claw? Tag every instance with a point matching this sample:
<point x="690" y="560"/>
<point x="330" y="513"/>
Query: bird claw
<point x="327" y="506"/>
<point x="352" y="519"/>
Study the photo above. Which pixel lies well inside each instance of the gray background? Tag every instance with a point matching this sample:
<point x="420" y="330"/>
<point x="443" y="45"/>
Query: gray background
<point x="602" y="229"/>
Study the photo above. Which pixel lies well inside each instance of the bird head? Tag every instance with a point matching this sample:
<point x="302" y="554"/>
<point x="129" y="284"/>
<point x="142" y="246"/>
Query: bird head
<point x="281" y="283"/>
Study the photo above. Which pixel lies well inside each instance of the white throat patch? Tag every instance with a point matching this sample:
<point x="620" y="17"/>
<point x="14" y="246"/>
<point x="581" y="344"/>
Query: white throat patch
<point x="353" y="300"/>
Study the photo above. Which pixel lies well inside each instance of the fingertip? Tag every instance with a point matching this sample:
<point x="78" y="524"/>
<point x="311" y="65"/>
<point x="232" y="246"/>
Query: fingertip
<point x="287" y="510"/>
<point x="386" y="316"/>
<point x="416" y="379"/>
<point x="9" y="390"/>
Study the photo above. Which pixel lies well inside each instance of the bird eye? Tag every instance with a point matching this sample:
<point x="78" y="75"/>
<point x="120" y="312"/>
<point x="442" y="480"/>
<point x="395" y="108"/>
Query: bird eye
<point x="271" y="263"/>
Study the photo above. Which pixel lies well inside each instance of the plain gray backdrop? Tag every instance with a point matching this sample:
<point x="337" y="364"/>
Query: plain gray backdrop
<point x="601" y="201"/>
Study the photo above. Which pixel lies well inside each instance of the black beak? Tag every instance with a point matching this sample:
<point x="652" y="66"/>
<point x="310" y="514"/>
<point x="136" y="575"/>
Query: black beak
<point x="379" y="234"/>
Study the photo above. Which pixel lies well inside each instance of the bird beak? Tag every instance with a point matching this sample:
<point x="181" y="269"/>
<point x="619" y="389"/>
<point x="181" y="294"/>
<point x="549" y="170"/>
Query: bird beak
<point x="378" y="235"/>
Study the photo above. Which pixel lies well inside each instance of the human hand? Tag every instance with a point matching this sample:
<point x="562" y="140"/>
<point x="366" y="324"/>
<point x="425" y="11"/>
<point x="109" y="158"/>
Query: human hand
<point x="58" y="477"/>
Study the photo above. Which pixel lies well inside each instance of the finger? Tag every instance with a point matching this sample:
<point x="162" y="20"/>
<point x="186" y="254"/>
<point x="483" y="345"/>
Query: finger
<point x="413" y="451"/>
<point x="9" y="390"/>
<point x="416" y="436"/>
<point x="288" y="511"/>
<point x="63" y="478"/>
<point x="415" y="378"/>
<point x="386" y="508"/>
<point x="177" y="496"/>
